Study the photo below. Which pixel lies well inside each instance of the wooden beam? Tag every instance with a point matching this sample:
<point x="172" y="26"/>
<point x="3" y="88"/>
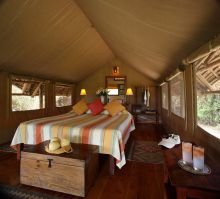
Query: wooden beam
<point x="214" y="73"/>
<point x="207" y="74"/>
<point x="212" y="56"/>
<point x="200" y="83"/>
<point x="214" y="81"/>
<point x="210" y="92"/>
<point x="215" y="59"/>
<point x="209" y="66"/>
<point x="41" y="98"/>
<point x="36" y="89"/>
<point x="25" y="81"/>
<point x="200" y="62"/>
<point x="26" y="87"/>
<point x="20" y="94"/>
<point x="204" y="81"/>
<point x="216" y="70"/>
<point x="20" y="78"/>
<point x="210" y="79"/>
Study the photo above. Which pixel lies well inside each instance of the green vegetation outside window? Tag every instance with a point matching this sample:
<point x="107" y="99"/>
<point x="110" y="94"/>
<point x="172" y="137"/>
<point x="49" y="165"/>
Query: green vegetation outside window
<point x="207" y="78"/>
<point x="27" y="94"/>
<point x="63" y="95"/>
<point x="177" y="95"/>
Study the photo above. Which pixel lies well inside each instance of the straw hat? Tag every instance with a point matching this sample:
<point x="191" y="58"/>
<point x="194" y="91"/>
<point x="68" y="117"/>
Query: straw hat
<point x="57" y="146"/>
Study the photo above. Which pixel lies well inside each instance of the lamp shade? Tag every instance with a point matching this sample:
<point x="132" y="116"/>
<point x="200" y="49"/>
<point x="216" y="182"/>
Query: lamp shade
<point x="129" y="91"/>
<point x="83" y="91"/>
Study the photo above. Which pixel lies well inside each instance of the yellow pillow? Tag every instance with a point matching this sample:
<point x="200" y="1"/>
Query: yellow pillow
<point x="80" y="107"/>
<point x="125" y="112"/>
<point x="114" y="107"/>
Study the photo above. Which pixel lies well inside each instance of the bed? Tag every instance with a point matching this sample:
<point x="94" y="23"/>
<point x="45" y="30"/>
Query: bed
<point x="109" y="133"/>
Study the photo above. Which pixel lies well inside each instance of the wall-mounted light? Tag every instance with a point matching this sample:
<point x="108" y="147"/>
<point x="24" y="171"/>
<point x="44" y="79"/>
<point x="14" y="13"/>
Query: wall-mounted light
<point x="129" y="91"/>
<point x="115" y="70"/>
<point x="83" y="91"/>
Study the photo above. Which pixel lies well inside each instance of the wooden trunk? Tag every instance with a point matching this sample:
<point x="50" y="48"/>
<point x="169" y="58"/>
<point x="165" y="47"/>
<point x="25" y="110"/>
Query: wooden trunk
<point x="71" y="173"/>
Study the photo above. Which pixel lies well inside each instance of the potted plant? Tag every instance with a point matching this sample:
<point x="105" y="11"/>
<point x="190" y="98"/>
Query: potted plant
<point x="103" y="93"/>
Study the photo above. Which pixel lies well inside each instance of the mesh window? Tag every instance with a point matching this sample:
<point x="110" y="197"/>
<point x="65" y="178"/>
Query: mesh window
<point x="27" y="94"/>
<point x="165" y="96"/>
<point x="63" y="95"/>
<point x="207" y="78"/>
<point x="177" y="96"/>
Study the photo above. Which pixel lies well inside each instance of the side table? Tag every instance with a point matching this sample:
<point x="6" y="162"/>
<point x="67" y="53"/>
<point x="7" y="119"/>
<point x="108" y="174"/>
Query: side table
<point x="190" y="185"/>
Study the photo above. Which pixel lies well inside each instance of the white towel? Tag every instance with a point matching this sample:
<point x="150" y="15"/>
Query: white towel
<point x="145" y="97"/>
<point x="148" y="97"/>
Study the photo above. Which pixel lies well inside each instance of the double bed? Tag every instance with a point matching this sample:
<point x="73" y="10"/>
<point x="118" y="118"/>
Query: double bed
<point x="107" y="132"/>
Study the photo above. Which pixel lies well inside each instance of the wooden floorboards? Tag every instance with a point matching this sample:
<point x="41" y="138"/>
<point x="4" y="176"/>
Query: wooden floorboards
<point x="133" y="181"/>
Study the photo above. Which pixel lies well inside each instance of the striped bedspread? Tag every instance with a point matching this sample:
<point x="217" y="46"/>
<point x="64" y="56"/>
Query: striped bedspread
<point x="109" y="133"/>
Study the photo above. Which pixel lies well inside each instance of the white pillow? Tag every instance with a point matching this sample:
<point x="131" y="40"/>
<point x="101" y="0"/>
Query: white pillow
<point x="105" y="112"/>
<point x="88" y="111"/>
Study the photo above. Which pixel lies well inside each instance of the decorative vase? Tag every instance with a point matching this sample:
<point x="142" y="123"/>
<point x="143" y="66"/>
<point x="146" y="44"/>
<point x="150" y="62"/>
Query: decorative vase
<point x="103" y="99"/>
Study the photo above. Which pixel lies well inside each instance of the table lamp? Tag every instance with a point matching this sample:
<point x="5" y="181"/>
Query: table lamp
<point x="129" y="92"/>
<point x="83" y="92"/>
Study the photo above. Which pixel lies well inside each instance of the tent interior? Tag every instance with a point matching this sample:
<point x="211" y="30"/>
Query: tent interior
<point x="167" y="53"/>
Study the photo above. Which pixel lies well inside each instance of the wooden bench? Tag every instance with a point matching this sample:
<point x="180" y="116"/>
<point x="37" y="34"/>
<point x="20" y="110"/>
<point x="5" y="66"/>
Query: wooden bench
<point x="190" y="185"/>
<point x="71" y="173"/>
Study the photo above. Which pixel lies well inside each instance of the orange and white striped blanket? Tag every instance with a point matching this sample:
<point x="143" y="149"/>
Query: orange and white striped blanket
<point x="109" y="133"/>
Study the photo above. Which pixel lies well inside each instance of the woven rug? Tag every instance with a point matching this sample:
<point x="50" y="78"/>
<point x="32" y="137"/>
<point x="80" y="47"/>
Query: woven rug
<point x="12" y="192"/>
<point x="147" y="152"/>
<point x="7" y="148"/>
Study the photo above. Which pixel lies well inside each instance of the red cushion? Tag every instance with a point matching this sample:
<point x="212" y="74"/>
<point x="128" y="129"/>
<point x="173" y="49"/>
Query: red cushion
<point x="96" y="107"/>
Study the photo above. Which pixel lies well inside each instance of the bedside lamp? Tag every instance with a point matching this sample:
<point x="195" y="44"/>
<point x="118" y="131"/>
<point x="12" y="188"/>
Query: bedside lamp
<point x="83" y="92"/>
<point x="129" y="92"/>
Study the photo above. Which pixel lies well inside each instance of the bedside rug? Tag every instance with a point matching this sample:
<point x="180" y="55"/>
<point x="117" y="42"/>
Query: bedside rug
<point x="12" y="192"/>
<point x="145" y="151"/>
<point x="7" y="148"/>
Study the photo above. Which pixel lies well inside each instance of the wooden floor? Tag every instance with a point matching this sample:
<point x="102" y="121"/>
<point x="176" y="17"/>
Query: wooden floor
<point x="133" y="181"/>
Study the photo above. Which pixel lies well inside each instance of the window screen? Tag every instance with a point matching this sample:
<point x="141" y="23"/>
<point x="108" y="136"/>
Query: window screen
<point x="165" y="96"/>
<point x="113" y="91"/>
<point x="207" y="78"/>
<point x="177" y="96"/>
<point x="63" y="95"/>
<point x="27" y="94"/>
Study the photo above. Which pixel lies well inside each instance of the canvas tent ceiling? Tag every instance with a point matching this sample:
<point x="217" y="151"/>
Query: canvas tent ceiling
<point x="55" y="39"/>
<point x="49" y="38"/>
<point x="153" y="35"/>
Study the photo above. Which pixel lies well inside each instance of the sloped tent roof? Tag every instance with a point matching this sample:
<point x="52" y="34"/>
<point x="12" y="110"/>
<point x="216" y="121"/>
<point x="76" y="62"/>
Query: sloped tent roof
<point x="55" y="39"/>
<point x="153" y="35"/>
<point x="49" y="38"/>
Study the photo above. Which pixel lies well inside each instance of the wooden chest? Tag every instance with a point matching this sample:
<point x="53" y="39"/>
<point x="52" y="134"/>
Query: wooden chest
<point x="71" y="173"/>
